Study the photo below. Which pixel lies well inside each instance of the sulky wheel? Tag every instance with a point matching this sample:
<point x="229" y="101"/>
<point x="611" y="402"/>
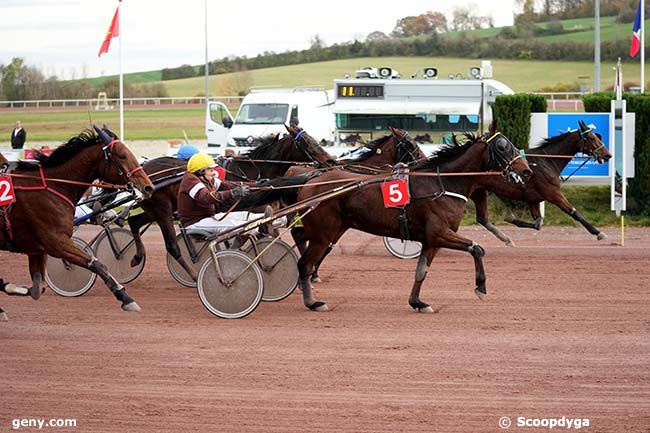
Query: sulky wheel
<point x="116" y="250"/>
<point x="403" y="249"/>
<point x="67" y="279"/>
<point x="177" y="270"/>
<point x="233" y="291"/>
<point x="279" y="266"/>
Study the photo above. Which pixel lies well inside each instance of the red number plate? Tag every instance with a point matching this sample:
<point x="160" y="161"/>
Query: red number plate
<point x="6" y="191"/>
<point x="395" y="193"/>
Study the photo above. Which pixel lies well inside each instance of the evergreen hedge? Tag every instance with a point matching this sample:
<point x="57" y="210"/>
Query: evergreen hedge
<point x="512" y="113"/>
<point x="639" y="186"/>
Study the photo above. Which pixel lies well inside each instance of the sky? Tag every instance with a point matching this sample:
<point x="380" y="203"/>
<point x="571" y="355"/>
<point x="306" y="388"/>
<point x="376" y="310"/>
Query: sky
<point x="62" y="37"/>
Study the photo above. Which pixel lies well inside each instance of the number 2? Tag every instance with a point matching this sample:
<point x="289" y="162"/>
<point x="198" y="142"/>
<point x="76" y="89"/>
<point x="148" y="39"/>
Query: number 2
<point x="5" y="187"/>
<point x="394" y="194"/>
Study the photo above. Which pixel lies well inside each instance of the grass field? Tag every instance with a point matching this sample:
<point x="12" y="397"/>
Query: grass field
<point x="140" y="124"/>
<point x="520" y="75"/>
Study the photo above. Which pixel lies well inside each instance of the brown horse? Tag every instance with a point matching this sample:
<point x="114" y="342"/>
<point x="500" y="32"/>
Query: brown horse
<point x="259" y="163"/>
<point x="545" y="183"/>
<point x="382" y="153"/>
<point x="432" y="217"/>
<point x="40" y="221"/>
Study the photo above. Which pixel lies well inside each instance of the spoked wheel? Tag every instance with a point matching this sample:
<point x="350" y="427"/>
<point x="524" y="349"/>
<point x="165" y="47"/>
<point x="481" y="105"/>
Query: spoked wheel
<point x="279" y="266"/>
<point x="235" y="289"/>
<point x="117" y="257"/>
<point x="177" y="270"/>
<point x="403" y="249"/>
<point x="67" y="279"/>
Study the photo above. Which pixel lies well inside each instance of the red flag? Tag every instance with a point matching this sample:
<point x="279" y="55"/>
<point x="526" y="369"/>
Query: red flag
<point x="113" y="31"/>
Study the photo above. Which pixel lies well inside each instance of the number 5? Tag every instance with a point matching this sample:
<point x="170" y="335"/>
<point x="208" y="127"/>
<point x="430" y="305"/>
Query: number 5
<point x="394" y="194"/>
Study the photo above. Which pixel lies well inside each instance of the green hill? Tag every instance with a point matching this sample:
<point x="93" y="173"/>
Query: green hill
<point x="520" y="75"/>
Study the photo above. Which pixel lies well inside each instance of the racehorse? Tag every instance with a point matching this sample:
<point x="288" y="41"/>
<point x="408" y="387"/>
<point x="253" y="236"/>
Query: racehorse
<point x="39" y="222"/>
<point x="382" y="153"/>
<point x="269" y="160"/>
<point x="545" y="183"/>
<point x="432" y="217"/>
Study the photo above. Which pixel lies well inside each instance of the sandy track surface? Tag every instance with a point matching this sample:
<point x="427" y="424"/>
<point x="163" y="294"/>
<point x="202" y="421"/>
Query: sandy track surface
<point x="565" y="331"/>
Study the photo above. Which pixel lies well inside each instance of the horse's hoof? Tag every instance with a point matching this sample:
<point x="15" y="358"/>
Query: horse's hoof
<point x="35" y="292"/>
<point x="14" y="290"/>
<point x="601" y="236"/>
<point x="3" y="317"/>
<point x="426" y="309"/>
<point x="480" y="294"/>
<point x="510" y="243"/>
<point x="135" y="261"/>
<point x="132" y="307"/>
<point x="318" y="306"/>
<point x="316" y="280"/>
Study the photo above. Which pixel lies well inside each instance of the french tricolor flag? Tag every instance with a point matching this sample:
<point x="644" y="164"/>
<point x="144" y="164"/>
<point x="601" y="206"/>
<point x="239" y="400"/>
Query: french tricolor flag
<point x="636" y="33"/>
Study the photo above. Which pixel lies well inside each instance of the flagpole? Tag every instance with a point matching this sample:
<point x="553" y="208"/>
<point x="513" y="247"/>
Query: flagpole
<point x="119" y="27"/>
<point x="642" y="46"/>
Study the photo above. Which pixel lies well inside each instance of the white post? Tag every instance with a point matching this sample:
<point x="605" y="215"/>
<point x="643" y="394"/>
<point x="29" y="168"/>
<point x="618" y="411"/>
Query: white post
<point x="642" y="46"/>
<point x="119" y="27"/>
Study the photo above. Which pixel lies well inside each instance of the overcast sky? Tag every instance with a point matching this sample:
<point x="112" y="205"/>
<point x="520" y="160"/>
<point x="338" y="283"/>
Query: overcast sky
<point x="62" y="37"/>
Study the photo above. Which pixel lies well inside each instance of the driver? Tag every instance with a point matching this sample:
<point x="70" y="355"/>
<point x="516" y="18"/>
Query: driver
<point x="203" y="192"/>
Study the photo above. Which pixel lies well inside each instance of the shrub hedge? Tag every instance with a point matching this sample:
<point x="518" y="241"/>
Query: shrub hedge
<point x="512" y="113"/>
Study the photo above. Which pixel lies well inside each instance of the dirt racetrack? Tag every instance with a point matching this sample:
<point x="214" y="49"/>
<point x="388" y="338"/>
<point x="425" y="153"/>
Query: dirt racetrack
<point x="564" y="332"/>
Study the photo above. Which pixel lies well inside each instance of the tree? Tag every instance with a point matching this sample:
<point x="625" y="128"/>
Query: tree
<point x="377" y="36"/>
<point x="464" y="18"/>
<point x="425" y="24"/>
<point x="316" y="43"/>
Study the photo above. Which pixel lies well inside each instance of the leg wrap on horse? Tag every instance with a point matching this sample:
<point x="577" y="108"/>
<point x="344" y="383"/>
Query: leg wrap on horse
<point x="2" y="285"/>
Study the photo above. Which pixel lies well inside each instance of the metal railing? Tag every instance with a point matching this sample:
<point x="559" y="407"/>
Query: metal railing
<point x="102" y="103"/>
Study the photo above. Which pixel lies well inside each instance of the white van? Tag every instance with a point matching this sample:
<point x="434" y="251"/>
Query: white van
<point x="266" y="111"/>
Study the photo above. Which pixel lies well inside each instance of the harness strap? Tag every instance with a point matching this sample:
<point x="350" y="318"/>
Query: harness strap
<point x="44" y="187"/>
<point x="453" y="194"/>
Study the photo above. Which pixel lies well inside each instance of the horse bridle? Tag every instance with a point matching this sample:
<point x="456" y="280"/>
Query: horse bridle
<point x="297" y="140"/>
<point x="585" y="141"/>
<point x="495" y="156"/>
<point x="402" y="148"/>
<point x="109" y="159"/>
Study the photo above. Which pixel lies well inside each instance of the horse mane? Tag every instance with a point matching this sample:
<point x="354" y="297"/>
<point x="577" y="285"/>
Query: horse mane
<point x="449" y="152"/>
<point x="267" y="149"/>
<point x="373" y="146"/>
<point x="553" y="140"/>
<point x="64" y="152"/>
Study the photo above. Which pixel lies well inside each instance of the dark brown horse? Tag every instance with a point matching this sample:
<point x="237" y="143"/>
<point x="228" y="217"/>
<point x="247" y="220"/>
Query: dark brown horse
<point x="382" y="153"/>
<point x="39" y="223"/>
<point x="545" y="183"/>
<point x="259" y="163"/>
<point x="432" y="217"/>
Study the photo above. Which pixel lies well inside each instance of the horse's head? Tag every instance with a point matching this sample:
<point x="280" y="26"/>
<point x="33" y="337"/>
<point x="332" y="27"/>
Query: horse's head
<point x="119" y="165"/>
<point x="306" y="148"/>
<point x="505" y="157"/>
<point x="402" y="148"/>
<point x="591" y="145"/>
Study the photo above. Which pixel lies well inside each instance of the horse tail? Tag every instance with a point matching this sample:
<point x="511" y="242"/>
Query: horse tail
<point x="284" y="189"/>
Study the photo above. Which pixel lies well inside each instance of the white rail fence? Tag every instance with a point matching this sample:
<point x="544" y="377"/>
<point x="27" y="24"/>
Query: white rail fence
<point x="114" y="102"/>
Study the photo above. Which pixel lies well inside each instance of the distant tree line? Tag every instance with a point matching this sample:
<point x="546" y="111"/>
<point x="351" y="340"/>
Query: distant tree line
<point x="19" y="82"/>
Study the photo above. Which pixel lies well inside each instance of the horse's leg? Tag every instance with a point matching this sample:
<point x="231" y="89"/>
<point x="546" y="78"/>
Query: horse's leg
<point x="520" y="223"/>
<point x="169" y="234"/>
<point x="536" y="213"/>
<point x="37" y="270"/>
<point x="306" y="263"/>
<point x="136" y="222"/>
<point x="67" y="250"/>
<point x="315" y="277"/>
<point x="3" y="316"/>
<point x="12" y="289"/>
<point x="450" y="239"/>
<point x="426" y="256"/>
<point x="559" y="200"/>
<point x="479" y="197"/>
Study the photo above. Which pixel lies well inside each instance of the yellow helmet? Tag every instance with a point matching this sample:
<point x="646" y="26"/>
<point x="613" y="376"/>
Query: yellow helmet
<point x="199" y="161"/>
